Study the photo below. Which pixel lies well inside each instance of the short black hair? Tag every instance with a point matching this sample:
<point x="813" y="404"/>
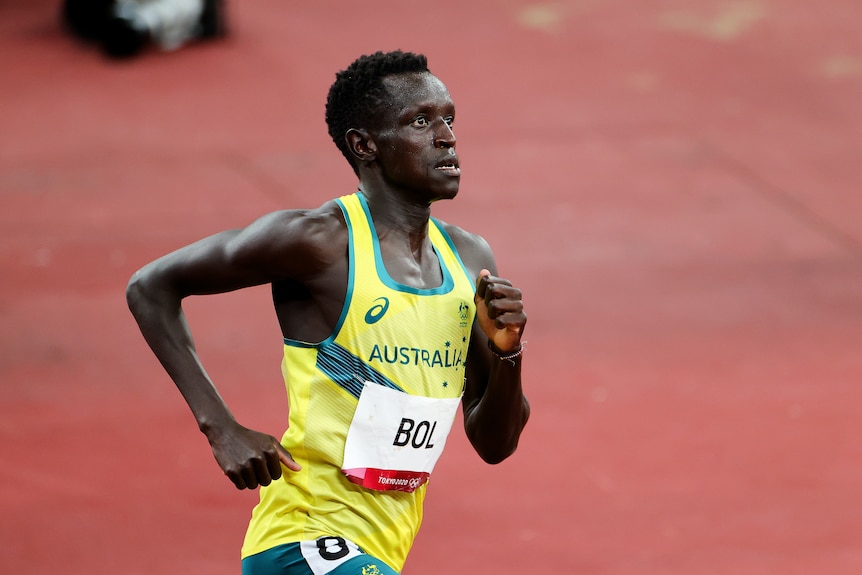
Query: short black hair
<point x="358" y="92"/>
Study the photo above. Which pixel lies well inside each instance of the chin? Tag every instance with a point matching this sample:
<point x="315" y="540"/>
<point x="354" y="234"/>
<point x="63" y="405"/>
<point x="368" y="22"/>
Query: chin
<point x="449" y="193"/>
<point x="444" y="197"/>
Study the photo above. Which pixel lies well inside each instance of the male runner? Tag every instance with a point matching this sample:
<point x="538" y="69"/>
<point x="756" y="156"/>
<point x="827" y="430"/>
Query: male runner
<point x="391" y="319"/>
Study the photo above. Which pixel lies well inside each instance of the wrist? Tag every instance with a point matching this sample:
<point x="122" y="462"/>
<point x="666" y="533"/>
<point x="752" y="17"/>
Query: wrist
<point x="509" y="356"/>
<point x="214" y="426"/>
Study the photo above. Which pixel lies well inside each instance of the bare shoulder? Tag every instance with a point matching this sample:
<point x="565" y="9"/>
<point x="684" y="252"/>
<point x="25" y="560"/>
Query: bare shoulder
<point x="287" y="224"/>
<point x="474" y="250"/>
<point x="300" y="241"/>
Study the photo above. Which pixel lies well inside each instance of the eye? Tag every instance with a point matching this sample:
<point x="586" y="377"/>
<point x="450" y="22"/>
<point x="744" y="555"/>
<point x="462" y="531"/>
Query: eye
<point x="419" y="122"/>
<point x="450" y="120"/>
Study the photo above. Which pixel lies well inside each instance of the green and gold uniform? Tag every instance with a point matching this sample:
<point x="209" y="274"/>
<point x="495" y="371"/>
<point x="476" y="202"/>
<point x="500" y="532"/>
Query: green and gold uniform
<point x="406" y="339"/>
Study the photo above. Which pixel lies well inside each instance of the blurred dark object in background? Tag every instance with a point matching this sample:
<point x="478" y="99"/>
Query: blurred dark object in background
<point x="124" y="28"/>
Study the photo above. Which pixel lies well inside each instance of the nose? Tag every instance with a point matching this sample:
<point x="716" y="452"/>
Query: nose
<point x="444" y="137"/>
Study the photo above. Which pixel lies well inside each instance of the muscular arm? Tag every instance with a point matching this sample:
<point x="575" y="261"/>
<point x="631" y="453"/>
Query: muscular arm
<point x="278" y="246"/>
<point x="495" y="408"/>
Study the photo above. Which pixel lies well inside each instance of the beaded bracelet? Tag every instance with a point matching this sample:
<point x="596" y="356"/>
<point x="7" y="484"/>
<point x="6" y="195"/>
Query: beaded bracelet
<point x="510" y="357"/>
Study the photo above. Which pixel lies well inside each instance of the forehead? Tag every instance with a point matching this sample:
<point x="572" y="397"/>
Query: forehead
<point x="416" y="89"/>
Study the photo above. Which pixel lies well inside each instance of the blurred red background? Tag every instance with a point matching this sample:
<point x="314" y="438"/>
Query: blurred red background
<point x="675" y="185"/>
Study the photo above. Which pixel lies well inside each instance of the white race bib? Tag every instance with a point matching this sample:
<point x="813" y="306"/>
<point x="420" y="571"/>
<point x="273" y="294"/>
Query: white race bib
<point x="324" y="554"/>
<point x="395" y="439"/>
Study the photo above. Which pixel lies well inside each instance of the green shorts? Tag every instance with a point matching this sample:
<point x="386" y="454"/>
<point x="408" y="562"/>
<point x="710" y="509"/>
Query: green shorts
<point x="324" y="556"/>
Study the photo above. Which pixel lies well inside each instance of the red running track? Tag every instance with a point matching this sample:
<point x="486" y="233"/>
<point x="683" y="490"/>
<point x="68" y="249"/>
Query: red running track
<point x="674" y="184"/>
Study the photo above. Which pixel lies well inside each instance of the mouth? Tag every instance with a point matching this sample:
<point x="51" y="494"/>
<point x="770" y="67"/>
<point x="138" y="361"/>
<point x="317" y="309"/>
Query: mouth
<point x="449" y="166"/>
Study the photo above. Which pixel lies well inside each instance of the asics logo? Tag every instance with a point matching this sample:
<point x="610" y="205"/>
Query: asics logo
<point x="377" y="311"/>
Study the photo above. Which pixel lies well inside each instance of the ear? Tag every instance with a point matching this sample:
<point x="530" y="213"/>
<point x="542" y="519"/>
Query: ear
<point x="361" y="144"/>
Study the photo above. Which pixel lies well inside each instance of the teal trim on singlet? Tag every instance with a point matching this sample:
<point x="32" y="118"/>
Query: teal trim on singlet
<point x="383" y="274"/>
<point x="452" y="247"/>
<point x="351" y="259"/>
<point x="445" y="287"/>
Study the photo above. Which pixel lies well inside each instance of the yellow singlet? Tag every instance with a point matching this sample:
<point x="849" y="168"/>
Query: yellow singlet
<point x="408" y="339"/>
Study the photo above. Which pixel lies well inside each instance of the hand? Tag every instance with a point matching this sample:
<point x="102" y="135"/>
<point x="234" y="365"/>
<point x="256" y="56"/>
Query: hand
<point x="250" y="458"/>
<point x="500" y="312"/>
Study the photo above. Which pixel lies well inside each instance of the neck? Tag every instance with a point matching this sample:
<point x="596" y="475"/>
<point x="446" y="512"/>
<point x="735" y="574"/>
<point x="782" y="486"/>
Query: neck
<point x="395" y="215"/>
<point x="401" y="224"/>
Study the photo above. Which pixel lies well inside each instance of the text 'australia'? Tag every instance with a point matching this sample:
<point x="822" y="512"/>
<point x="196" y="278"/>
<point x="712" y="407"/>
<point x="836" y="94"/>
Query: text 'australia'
<point x="417" y="356"/>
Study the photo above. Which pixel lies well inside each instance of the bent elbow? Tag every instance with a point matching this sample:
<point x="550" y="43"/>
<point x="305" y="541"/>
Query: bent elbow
<point x="495" y="457"/>
<point x="496" y="447"/>
<point x="135" y="292"/>
<point x="142" y="292"/>
<point x="494" y="451"/>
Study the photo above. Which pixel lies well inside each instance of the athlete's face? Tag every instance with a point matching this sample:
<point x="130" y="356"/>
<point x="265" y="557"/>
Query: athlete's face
<point x="416" y="144"/>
